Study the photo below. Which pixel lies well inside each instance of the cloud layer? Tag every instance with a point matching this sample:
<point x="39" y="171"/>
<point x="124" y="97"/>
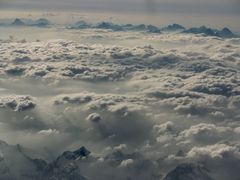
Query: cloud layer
<point x="161" y="108"/>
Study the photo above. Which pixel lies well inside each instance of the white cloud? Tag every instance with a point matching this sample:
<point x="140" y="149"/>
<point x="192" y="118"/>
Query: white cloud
<point x="49" y="132"/>
<point x="17" y="103"/>
<point x="126" y="162"/>
<point x="205" y="133"/>
<point x="217" y="151"/>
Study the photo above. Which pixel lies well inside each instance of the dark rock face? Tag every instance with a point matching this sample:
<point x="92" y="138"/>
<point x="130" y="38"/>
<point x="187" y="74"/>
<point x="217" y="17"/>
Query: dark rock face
<point x="80" y="25"/>
<point x="80" y="153"/>
<point x="64" y="172"/>
<point x="140" y="27"/>
<point x="66" y="166"/>
<point x="173" y="27"/>
<point x="202" y="30"/>
<point x="153" y="29"/>
<point x="188" y="172"/>
<point x="108" y="25"/>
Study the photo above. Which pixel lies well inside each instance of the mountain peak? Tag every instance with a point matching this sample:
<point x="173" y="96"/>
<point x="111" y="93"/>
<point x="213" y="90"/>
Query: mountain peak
<point x="188" y="171"/>
<point x="224" y="33"/>
<point x="173" y="27"/>
<point x="83" y="152"/>
<point x="80" y="25"/>
<point x="18" y="22"/>
<point x="153" y="29"/>
<point x="41" y="22"/>
<point x="80" y="153"/>
<point x="227" y="33"/>
<point x="108" y="25"/>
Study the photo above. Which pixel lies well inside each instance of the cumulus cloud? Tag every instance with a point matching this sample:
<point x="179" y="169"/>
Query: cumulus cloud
<point x="206" y="133"/>
<point x="94" y="117"/>
<point x="17" y="103"/>
<point x="217" y="151"/>
<point x="126" y="162"/>
<point x="220" y="157"/>
<point x="49" y="132"/>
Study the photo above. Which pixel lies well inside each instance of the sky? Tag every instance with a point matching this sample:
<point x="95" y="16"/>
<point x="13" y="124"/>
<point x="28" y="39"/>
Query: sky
<point x="210" y="6"/>
<point x="188" y="12"/>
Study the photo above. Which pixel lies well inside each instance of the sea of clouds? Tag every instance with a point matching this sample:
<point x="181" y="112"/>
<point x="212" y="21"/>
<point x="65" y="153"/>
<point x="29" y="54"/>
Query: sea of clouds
<point x="143" y="104"/>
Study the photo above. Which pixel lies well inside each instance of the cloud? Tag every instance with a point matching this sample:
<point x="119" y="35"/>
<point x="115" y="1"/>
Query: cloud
<point x="49" y="132"/>
<point x="94" y="117"/>
<point x="141" y="109"/>
<point x="17" y="103"/>
<point x="217" y="151"/>
<point x="219" y="157"/>
<point x="206" y="133"/>
<point x="126" y="162"/>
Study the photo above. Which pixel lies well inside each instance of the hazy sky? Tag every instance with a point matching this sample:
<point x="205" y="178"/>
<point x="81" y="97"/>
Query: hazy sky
<point x="213" y="12"/>
<point x="209" y="6"/>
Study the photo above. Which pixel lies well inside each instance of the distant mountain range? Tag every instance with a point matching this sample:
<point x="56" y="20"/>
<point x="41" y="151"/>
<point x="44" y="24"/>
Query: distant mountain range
<point x="224" y="33"/>
<point x="202" y="30"/>
<point x="42" y="22"/>
<point x="114" y="27"/>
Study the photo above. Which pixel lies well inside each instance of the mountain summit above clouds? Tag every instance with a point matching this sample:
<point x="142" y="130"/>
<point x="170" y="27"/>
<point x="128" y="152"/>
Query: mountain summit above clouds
<point x="16" y="164"/>
<point x="18" y="22"/>
<point x="188" y="171"/>
<point x="42" y="22"/>
<point x="224" y="33"/>
<point x="206" y="31"/>
<point x="173" y="27"/>
<point x="115" y="27"/>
